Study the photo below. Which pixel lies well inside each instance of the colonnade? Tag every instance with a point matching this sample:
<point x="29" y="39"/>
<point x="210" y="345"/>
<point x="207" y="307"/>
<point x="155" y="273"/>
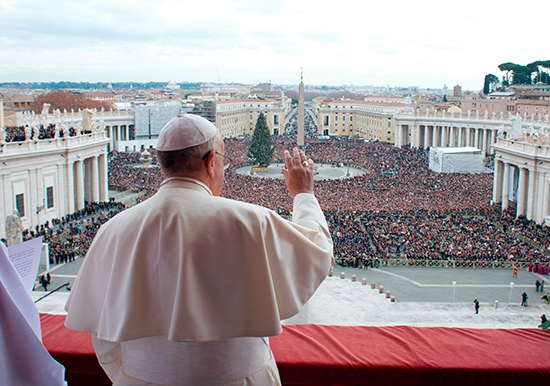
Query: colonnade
<point x="87" y="180"/>
<point x="120" y="132"/>
<point x="514" y="183"/>
<point x="425" y="136"/>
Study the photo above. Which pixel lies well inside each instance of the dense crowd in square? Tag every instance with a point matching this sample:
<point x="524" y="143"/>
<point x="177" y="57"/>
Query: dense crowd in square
<point x="398" y="208"/>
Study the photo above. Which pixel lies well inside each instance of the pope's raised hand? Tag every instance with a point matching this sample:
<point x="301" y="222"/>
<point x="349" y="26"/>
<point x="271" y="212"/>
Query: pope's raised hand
<point x="298" y="173"/>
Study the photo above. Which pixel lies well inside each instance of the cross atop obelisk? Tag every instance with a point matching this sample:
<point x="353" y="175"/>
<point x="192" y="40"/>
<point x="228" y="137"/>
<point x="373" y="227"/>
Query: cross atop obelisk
<point x="300" y="137"/>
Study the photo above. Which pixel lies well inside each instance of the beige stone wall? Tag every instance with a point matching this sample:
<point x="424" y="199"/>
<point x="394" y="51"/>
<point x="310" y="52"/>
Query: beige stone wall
<point x="237" y="118"/>
<point x="365" y="119"/>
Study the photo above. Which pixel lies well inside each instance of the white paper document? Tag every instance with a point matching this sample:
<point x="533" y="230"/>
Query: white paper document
<point x="25" y="257"/>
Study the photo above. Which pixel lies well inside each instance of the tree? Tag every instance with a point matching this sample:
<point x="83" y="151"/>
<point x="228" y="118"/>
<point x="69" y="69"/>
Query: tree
<point x="66" y="100"/>
<point x="490" y="84"/>
<point x="517" y="73"/>
<point x="542" y="68"/>
<point x="507" y="68"/>
<point x="261" y="148"/>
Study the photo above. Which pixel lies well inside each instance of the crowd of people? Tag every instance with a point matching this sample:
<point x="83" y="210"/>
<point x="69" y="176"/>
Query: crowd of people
<point x="439" y="236"/>
<point x="71" y="235"/>
<point x="399" y="208"/>
<point x="40" y="132"/>
<point x="291" y="126"/>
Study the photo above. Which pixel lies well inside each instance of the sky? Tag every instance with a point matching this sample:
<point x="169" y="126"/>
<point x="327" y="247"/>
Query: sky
<point x="420" y="43"/>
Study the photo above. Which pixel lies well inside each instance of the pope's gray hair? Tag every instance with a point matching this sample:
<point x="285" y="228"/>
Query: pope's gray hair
<point x="187" y="160"/>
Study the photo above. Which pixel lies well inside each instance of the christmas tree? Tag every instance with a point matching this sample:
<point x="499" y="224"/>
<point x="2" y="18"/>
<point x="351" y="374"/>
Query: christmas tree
<point x="261" y="147"/>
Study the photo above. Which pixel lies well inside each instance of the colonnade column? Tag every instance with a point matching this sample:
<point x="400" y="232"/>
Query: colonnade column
<point x="87" y="180"/>
<point x="505" y="185"/>
<point x="444" y="138"/>
<point x="79" y="185"/>
<point x="531" y="195"/>
<point x="103" y="178"/>
<point x="459" y="144"/>
<point x="521" y="192"/>
<point x="437" y="136"/>
<point x="397" y="136"/>
<point x="94" y="179"/>
<point x="476" y="139"/>
<point x="426" y="139"/>
<point x="493" y="140"/>
<point x="69" y="175"/>
<point x="485" y="150"/>
<point x="497" y="182"/>
<point x="415" y="136"/>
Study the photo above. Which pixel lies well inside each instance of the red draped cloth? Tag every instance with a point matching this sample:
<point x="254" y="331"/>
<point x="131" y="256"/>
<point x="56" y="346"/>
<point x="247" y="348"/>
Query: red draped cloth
<point x="337" y="355"/>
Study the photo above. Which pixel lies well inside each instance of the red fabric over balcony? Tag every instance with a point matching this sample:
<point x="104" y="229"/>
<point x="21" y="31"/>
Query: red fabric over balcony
<point x="337" y="355"/>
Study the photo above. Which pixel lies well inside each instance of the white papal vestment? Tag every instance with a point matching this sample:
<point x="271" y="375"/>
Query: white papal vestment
<point x="188" y="267"/>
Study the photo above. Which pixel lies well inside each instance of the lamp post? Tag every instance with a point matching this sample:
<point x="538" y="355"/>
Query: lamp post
<point x="511" y="289"/>
<point x="454" y="290"/>
<point x="149" y="123"/>
<point x="40" y="209"/>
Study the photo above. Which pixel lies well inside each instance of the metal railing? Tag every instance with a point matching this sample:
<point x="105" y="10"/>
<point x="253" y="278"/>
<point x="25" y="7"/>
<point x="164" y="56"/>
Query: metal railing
<point x="474" y="264"/>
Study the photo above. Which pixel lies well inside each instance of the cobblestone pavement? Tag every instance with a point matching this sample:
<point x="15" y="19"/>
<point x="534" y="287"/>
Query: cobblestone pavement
<point x="324" y="171"/>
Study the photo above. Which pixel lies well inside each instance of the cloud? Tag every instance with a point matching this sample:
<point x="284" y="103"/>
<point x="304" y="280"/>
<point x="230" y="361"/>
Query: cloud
<point x="251" y="40"/>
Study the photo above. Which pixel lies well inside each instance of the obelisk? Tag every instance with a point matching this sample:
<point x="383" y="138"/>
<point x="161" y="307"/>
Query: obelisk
<point x="300" y="137"/>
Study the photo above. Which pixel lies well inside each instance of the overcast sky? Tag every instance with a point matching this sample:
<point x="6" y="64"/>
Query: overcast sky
<point x="397" y="43"/>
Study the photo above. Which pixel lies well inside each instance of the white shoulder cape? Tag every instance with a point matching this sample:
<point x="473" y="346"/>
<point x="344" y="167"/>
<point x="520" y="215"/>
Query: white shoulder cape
<point x="195" y="267"/>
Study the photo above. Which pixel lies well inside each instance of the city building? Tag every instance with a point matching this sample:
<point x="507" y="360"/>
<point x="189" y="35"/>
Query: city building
<point x="49" y="178"/>
<point x="237" y="117"/>
<point x="443" y="129"/>
<point x="496" y="102"/>
<point x="367" y="120"/>
<point x="522" y="171"/>
<point x="224" y="88"/>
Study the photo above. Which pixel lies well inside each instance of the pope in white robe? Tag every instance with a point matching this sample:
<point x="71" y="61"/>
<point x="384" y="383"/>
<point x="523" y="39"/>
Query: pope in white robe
<point x="185" y="288"/>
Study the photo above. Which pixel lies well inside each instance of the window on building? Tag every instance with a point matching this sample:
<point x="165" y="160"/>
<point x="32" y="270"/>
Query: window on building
<point x="49" y="197"/>
<point x="336" y="118"/>
<point x="389" y="124"/>
<point x="20" y="204"/>
<point x="344" y="118"/>
<point x="351" y="118"/>
<point x="326" y="120"/>
<point x="275" y="119"/>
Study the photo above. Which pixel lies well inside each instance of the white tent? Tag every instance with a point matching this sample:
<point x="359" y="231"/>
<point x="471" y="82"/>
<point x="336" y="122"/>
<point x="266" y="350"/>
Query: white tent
<point x="456" y="160"/>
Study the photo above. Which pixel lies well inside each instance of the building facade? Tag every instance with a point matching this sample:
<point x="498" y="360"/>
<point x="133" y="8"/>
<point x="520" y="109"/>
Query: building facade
<point x="497" y="102"/>
<point x="441" y="129"/>
<point x="522" y="173"/>
<point x="236" y="118"/>
<point x="49" y="178"/>
<point x="367" y="120"/>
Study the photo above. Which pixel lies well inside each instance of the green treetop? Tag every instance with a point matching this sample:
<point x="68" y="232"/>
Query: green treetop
<point x="261" y="148"/>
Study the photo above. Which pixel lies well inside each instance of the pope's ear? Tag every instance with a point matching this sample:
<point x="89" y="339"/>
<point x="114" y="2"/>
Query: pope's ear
<point x="209" y="163"/>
